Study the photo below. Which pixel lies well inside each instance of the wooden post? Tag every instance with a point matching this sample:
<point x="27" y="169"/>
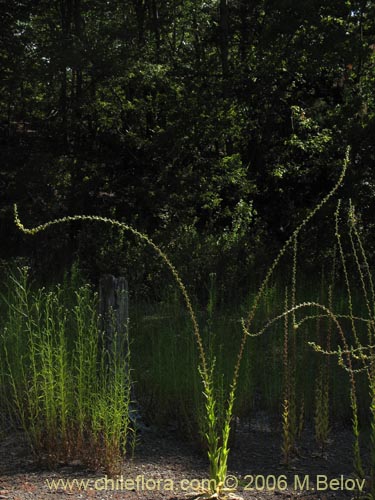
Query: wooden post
<point x="114" y="313"/>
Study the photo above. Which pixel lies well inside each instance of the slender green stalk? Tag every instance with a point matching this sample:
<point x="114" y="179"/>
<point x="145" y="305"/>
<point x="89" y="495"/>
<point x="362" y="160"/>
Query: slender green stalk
<point x="287" y="444"/>
<point x="247" y="323"/>
<point x="346" y="275"/>
<point x="216" y="453"/>
<point x="142" y="237"/>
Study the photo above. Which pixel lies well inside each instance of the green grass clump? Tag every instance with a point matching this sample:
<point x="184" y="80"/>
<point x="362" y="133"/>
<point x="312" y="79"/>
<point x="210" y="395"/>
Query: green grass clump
<point x="56" y="381"/>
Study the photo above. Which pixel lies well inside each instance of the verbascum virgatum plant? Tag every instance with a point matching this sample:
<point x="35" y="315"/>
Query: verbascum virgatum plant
<point x="217" y="438"/>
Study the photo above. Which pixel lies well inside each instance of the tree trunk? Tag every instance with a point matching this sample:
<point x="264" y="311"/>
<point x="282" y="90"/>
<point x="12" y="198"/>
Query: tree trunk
<point x="66" y="19"/>
<point x="140" y="12"/>
<point x="156" y="29"/>
<point x="114" y="313"/>
<point x="224" y="51"/>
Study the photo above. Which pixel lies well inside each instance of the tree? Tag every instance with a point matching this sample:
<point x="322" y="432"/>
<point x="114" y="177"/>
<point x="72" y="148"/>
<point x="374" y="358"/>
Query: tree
<point x="220" y="120"/>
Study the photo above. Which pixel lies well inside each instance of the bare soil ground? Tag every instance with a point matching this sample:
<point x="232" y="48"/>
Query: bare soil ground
<point x="162" y="462"/>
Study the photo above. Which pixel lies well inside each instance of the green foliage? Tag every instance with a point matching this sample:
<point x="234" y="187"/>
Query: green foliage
<point x="353" y="331"/>
<point x="226" y="122"/>
<point x="217" y="421"/>
<point x="218" y="455"/>
<point x="55" y="380"/>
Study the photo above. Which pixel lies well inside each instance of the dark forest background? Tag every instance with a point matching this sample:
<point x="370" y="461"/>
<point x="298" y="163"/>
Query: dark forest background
<point x="213" y="126"/>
